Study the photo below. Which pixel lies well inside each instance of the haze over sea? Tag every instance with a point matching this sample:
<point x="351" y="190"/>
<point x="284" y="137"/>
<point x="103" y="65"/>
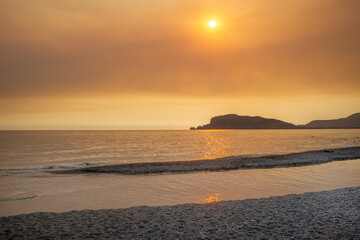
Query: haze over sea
<point x="26" y="156"/>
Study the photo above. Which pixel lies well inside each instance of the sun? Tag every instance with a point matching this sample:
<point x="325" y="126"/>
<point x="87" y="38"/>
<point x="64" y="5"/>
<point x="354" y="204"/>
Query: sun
<point x="212" y="24"/>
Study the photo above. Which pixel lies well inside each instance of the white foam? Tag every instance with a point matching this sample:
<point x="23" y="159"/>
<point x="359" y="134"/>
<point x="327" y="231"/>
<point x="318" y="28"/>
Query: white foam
<point x="77" y="166"/>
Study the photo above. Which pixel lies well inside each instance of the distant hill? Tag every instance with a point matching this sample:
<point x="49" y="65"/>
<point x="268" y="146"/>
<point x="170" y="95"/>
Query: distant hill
<point x="233" y="121"/>
<point x="352" y="121"/>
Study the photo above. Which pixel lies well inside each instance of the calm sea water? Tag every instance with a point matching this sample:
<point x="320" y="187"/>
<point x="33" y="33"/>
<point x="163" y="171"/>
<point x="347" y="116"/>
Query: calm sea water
<point x="32" y="149"/>
<point x="26" y="186"/>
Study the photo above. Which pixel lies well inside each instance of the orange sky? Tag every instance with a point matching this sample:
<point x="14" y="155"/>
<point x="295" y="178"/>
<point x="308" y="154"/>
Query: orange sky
<point x="111" y="64"/>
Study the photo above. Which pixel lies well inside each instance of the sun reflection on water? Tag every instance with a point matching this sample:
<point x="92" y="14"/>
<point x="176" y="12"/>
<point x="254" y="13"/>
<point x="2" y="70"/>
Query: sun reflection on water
<point x="216" y="146"/>
<point x="212" y="198"/>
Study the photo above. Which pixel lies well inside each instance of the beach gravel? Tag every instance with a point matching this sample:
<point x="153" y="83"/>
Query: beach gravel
<point x="323" y="215"/>
<point x="223" y="163"/>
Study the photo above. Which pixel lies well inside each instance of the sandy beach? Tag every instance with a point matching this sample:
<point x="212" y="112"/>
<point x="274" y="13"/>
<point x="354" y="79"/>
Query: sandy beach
<point x="321" y="215"/>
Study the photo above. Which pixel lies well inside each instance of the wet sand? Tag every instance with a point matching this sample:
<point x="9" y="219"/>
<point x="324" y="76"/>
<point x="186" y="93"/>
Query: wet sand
<point x="323" y="215"/>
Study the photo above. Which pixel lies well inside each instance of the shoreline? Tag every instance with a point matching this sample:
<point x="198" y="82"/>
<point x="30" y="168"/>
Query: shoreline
<point x="323" y="215"/>
<point x="224" y="163"/>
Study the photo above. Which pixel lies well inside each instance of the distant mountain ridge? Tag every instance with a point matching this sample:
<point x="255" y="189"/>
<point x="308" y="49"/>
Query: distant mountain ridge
<point x="233" y="121"/>
<point x="352" y="121"/>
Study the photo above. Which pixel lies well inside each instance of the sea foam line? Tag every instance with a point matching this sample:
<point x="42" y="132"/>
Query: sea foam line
<point x="226" y="163"/>
<point x="77" y="166"/>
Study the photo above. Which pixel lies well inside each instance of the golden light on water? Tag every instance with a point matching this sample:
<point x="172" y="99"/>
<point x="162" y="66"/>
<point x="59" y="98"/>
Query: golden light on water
<point x="212" y="198"/>
<point x="216" y="146"/>
<point x="212" y="24"/>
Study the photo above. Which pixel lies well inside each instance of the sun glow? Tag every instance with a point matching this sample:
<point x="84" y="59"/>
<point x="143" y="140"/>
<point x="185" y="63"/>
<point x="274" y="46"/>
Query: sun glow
<point x="212" y="24"/>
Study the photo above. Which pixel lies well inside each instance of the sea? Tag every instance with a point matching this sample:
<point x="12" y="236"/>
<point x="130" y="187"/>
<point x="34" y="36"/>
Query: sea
<point x="28" y="157"/>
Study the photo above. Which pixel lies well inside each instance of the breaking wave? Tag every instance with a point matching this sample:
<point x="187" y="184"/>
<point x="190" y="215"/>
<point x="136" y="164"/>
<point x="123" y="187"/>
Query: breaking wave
<point x="77" y="166"/>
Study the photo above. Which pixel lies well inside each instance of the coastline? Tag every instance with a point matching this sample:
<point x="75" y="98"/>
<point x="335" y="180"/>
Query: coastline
<point x="322" y="215"/>
<point x="224" y="163"/>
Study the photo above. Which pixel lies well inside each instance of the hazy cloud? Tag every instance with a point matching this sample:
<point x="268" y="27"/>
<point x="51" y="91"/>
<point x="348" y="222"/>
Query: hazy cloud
<point x="64" y="47"/>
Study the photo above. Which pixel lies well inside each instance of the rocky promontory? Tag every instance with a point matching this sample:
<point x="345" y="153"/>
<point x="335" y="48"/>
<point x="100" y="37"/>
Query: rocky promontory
<point x="233" y="121"/>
